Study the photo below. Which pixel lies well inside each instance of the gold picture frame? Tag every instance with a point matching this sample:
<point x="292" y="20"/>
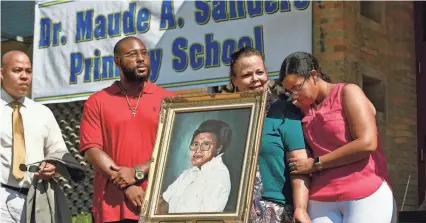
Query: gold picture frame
<point x="174" y="158"/>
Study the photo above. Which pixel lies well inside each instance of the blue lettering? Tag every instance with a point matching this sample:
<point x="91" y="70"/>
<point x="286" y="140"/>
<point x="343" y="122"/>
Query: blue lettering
<point x="96" y="68"/>
<point x="45" y="24"/>
<point x="108" y="68"/>
<point x="212" y="51"/>
<point x="76" y="67"/>
<point x="96" y="73"/>
<point x="271" y="6"/>
<point x="285" y="6"/>
<point x="88" y="64"/>
<point x="167" y="15"/>
<point x="219" y="12"/>
<point x="129" y="20"/>
<point x="228" y="49"/>
<point x="237" y="9"/>
<point x="100" y="27"/>
<point x="258" y="39"/>
<point x="114" y="24"/>
<point x="56" y="30"/>
<point x="245" y="41"/>
<point x="84" y="26"/>
<point x="202" y="12"/>
<point x="156" y="56"/>
<point x="301" y="5"/>
<point x="196" y="56"/>
<point x="254" y="8"/>
<point x="144" y="18"/>
<point x="180" y="58"/>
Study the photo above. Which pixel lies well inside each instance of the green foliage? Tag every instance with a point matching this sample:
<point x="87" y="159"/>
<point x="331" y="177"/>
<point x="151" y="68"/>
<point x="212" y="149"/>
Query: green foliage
<point x="82" y="218"/>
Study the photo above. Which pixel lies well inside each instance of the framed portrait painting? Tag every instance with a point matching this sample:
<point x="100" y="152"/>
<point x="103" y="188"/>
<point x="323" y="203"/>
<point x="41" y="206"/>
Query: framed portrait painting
<point x="205" y="158"/>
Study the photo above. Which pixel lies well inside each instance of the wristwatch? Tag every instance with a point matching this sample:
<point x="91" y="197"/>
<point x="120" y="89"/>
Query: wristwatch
<point x="318" y="163"/>
<point x="139" y="175"/>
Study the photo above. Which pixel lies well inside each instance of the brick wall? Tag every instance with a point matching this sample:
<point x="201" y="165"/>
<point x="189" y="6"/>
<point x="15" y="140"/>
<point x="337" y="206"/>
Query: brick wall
<point x="353" y="48"/>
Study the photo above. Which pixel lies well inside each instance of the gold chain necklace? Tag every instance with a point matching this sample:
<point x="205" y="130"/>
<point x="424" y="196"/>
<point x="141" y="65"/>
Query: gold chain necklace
<point x="128" y="102"/>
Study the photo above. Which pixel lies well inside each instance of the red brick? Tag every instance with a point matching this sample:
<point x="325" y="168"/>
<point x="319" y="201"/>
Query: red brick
<point x="340" y="48"/>
<point x="334" y="25"/>
<point x="328" y="5"/>
<point x="398" y="100"/>
<point x="367" y="56"/>
<point x="338" y="19"/>
<point x="402" y="53"/>
<point x="404" y="133"/>
<point x="409" y="121"/>
<point x="390" y="132"/>
<point x="337" y="4"/>
<point x="401" y="140"/>
<point x="334" y="41"/>
<point x="332" y="56"/>
<point x="324" y="20"/>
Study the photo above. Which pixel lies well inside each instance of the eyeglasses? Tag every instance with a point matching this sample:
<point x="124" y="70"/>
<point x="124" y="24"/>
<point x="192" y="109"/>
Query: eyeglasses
<point x="204" y="146"/>
<point x="135" y="54"/>
<point x="297" y="90"/>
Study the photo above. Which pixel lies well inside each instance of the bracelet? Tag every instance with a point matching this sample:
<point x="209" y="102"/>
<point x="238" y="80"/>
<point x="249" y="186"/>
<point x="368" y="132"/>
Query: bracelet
<point x="318" y="164"/>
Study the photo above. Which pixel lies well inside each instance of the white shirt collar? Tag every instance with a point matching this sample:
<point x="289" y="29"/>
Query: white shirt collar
<point x="210" y="165"/>
<point x="7" y="99"/>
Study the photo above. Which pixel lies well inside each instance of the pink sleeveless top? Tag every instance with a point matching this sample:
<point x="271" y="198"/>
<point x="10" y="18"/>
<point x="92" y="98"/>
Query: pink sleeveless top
<point x="327" y="129"/>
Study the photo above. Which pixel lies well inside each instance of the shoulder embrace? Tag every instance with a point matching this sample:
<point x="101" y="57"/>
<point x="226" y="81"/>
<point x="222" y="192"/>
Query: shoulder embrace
<point x="292" y="111"/>
<point x="280" y="108"/>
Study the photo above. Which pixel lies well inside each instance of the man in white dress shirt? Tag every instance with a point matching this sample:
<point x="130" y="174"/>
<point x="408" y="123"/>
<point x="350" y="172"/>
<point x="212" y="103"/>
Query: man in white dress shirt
<point x="29" y="132"/>
<point x="206" y="186"/>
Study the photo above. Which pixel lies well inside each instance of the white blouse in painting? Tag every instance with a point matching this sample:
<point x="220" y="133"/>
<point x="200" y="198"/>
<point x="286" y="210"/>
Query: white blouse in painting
<point x="204" y="189"/>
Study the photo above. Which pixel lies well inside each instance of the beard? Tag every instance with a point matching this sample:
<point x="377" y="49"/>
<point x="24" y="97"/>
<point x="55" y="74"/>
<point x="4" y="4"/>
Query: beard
<point x="132" y="76"/>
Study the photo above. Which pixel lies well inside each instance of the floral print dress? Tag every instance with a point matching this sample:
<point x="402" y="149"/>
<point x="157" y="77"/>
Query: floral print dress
<point x="263" y="211"/>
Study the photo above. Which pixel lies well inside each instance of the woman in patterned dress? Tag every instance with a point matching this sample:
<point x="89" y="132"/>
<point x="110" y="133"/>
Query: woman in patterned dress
<point x="277" y="197"/>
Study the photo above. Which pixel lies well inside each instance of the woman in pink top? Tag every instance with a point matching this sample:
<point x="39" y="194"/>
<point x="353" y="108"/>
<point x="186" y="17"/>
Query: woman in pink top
<point x="349" y="180"/>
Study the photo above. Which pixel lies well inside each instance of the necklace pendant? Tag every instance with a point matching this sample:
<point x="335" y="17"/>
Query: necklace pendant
<point x="134" y="113"/>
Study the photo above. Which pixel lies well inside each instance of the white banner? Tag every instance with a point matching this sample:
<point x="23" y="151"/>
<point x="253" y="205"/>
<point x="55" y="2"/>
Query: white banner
<point x="189" y="42"/>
